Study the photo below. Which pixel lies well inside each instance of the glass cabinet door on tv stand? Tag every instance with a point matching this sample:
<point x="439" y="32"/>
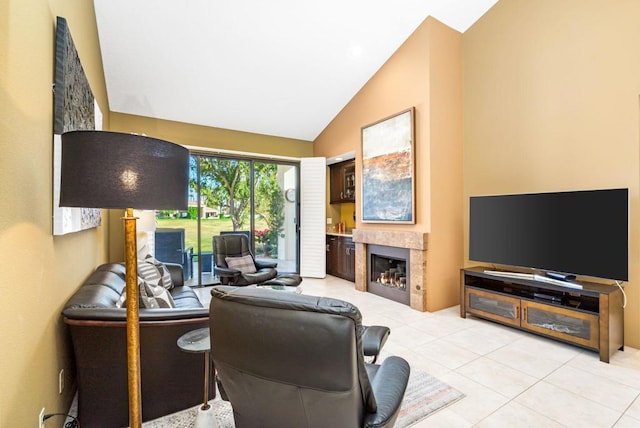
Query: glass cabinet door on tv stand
<point x="493" y="306"/>
<point x="569" y="325"/>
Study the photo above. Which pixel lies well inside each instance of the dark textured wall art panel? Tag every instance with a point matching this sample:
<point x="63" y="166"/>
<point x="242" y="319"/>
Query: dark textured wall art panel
<point x="73" y="99"/>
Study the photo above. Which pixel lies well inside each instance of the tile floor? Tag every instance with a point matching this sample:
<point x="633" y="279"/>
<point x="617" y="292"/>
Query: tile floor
<point x="510" y="378"/>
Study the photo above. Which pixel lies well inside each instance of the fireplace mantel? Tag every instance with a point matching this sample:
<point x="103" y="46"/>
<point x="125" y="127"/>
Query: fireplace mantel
<point x="415" y="241"/>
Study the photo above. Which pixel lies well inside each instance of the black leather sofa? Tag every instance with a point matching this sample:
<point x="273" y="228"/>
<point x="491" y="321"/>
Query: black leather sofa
<point x="171" y="380"/>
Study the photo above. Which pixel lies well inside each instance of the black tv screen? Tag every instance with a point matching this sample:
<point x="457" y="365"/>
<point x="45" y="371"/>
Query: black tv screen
<point x="577" y="233"/>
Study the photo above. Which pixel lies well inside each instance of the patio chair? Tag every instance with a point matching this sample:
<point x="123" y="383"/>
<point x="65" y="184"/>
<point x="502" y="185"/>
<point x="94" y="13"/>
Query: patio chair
<point x="170" y="248"/>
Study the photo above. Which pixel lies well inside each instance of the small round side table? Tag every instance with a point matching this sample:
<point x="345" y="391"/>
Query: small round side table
<point x="197" y="341"/>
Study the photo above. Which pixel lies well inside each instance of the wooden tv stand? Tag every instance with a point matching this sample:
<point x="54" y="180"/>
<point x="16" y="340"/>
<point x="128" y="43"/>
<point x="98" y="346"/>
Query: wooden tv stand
<point x="591" y="317"/>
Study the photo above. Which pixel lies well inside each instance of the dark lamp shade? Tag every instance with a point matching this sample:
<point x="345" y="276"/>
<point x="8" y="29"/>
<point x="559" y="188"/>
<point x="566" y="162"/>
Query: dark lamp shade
<point x="103" y="169"/>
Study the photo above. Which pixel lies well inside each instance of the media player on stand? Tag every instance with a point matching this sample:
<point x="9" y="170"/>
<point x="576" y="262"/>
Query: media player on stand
<point x="541" y="278"/>
<point x="561" y="276"/>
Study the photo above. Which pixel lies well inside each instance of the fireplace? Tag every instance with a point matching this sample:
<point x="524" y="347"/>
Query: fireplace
<point x="393" y="245"/>
<point x="388" y="272"/>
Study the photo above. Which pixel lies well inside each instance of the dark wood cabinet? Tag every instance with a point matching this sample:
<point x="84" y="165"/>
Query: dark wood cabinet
<point x="341" y="257"/>
<point x="333" y="253"/>
<point x="342" y="187"/>
<point x="349" y="259"/>
<point x="591" y="317"/>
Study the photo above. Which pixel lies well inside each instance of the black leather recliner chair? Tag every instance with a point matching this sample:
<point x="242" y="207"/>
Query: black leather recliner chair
<point x="291" y="360"/>
<point x="237" y="245"/>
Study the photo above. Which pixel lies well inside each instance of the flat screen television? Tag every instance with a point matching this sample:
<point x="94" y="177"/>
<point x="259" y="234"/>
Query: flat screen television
<point x="574" y="233"/>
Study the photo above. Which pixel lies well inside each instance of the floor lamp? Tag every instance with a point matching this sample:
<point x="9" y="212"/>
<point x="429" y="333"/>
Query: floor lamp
<point x="114" y="170"/>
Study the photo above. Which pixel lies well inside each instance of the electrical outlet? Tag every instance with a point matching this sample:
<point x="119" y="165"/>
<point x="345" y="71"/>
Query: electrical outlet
<point x="41" y="419"/>
<point x="61" y="381"/>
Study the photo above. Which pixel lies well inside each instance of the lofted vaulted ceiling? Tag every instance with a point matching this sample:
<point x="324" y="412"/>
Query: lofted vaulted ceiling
<point x="282" y="67"/>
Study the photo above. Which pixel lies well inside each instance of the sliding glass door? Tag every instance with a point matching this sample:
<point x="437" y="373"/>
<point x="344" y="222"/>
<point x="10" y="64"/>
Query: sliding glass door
<point x="240" y="195"/>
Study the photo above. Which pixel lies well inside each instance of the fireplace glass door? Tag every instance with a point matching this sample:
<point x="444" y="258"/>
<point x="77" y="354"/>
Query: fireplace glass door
<point x="389" y="271"/>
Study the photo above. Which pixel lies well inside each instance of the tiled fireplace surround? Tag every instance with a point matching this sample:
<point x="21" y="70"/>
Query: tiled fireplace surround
<point x="416" y="242"/>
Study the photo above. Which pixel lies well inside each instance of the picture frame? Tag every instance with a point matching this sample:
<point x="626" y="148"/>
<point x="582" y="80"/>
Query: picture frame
<point x="388" y="167"/>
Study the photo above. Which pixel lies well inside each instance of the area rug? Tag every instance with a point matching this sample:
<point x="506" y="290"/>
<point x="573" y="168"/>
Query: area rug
<point x="424" y="396"/>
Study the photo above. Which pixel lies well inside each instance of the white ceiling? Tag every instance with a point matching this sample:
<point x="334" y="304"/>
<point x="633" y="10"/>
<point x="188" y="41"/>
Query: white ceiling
<point x="282" y="67"/>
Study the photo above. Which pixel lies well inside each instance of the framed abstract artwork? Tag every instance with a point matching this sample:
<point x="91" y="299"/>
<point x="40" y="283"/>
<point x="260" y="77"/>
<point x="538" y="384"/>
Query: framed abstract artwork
<point x="74" y="109"/>
<point x="388" y="170"/>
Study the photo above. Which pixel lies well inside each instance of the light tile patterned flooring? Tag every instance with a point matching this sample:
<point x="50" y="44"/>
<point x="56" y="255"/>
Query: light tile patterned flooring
<point x="510" y="378"/>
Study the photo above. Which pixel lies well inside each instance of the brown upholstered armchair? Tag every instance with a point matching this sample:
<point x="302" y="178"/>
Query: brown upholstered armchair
<point x="289" y="360"/>
<point x="235" y="264"/>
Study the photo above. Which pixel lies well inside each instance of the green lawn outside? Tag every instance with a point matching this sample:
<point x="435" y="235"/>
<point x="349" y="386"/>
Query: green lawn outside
<point x="209" y="228"/>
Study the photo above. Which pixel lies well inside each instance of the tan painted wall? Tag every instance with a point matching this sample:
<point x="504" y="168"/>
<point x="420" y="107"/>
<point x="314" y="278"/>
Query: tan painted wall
<point x="39" y="272"/>
<point x="212" y="138"/>
<point x="445" y="249"/>
<point x="551" y="103"/>
<point x="425" y="72"/>
<point x="401" y="83"/>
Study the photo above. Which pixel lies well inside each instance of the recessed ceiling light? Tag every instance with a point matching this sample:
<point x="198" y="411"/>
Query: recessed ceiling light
<point x="356" y="51"/>
<point x="338" y="158"/>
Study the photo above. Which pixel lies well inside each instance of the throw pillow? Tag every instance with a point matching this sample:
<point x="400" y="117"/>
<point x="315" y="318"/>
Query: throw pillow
<point x="244" y="264"/>
<point x="122" y="300"/>
<point x="154" y="296"/>
<point x="155" y="272"/>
